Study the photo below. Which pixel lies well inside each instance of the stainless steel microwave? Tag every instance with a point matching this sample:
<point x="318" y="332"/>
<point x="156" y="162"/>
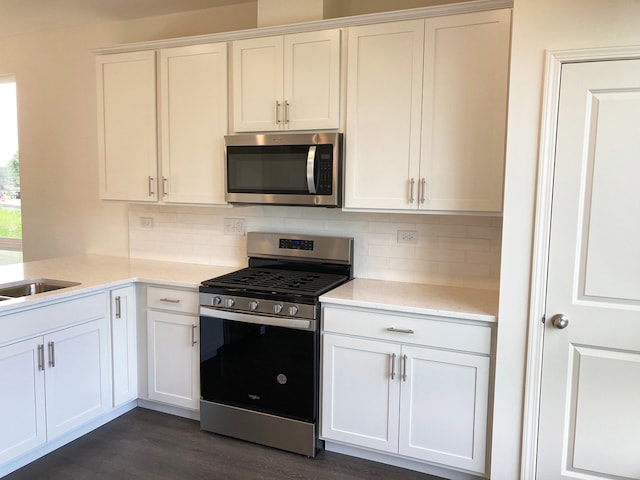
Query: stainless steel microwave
<point x="285" y="169"/>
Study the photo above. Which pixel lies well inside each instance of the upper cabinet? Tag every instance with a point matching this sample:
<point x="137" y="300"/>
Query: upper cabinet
<point x="426" y="113"/>
<point x="289" y="82"/>
<point x="189" y="125"/>
<point x="127" y="126"/>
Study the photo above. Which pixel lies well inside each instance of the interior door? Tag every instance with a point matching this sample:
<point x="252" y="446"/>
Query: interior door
<point x="590" y="401"/>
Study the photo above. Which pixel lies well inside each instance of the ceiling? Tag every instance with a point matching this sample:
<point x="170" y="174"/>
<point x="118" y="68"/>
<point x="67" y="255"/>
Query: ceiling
<point x="28" y="16"/>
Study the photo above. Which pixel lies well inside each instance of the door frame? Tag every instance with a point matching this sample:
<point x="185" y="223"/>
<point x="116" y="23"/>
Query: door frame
<point x="542" y="230"/>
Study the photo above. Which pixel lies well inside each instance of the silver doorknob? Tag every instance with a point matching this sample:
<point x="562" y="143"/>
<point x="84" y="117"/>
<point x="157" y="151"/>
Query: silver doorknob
<point x="559" y="321"/>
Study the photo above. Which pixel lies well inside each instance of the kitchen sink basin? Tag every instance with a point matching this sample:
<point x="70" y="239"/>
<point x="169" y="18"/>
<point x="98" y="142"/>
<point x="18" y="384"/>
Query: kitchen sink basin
<point x="28" y="287"/>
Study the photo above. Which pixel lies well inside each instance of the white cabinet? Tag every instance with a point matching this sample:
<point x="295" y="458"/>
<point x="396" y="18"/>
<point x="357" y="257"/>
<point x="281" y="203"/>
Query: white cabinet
<point x="289" y="82"/>
<point x="59" y="381"/>
<point x="127" y="142"/>
<point x="407" y="385"/>
<point x="426" y="113"/>
<point x="173" y="347"/>
<point x="124" y="345"/>
<point x="192" y="122"/>
<point x="22" y="406"/>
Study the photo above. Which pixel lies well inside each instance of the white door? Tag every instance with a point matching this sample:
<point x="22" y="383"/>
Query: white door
<point x="360" y="392"/>
<point x="590" y="403"/>
<point x="193" y="121"/>
<point x="443" y="407"/>
<point x="78" y="383"/>
<point x="174" y="359"/>
<point x="124" y="345"/>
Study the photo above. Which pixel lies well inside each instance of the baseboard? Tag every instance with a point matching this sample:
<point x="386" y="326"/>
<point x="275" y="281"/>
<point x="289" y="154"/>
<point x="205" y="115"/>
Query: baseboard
<point x="170" y="409"/>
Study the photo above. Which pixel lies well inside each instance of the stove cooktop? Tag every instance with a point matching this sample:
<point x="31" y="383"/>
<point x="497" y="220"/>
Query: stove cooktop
<point x="273" y="280"/>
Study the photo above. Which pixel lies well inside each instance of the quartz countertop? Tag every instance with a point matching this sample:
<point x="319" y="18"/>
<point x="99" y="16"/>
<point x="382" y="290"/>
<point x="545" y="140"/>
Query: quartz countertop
<point x="454" y="302"/>
<point x="96" y="272"/>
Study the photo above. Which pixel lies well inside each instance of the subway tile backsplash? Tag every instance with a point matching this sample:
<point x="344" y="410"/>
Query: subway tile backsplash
<point x="454" y="250"/>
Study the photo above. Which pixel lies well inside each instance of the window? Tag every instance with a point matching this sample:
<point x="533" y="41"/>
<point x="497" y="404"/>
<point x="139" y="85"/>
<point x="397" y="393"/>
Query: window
<point x="10" y="196"/>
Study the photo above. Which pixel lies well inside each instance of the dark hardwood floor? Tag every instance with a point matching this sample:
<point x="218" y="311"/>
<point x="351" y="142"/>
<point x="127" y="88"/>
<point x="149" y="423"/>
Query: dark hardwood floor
<point x="144" y="444"/>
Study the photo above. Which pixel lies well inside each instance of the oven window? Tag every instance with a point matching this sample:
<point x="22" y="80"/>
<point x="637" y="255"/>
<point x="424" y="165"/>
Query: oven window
<point x="259" y="367"/>
<point x="260" y="169"/>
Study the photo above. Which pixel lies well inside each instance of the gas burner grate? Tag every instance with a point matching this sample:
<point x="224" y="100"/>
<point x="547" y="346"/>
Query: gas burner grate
<point x="278" y="281"/>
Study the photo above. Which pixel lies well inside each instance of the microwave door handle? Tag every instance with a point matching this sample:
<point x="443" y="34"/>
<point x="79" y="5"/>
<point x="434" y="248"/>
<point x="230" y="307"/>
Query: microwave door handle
<point x="311" y="162"/>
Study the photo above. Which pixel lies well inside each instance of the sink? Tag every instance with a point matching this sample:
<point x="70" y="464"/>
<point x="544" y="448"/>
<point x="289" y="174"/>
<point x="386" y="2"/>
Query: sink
<point x="28" y="287"/>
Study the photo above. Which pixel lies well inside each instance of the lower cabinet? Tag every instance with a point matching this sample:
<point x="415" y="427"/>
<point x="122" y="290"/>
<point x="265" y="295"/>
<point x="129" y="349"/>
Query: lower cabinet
<point x="124" y="346"/>
<point x="59" y="381"/>
<point x="425" y="402"/>
<point x="172" y="346"/>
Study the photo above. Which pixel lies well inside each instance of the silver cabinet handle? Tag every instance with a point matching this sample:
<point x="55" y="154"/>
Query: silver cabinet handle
<point x="286" y="112"/>
<point x="423" y="187"/>
<point x="400" y="330"/>
<point x="278" y="112"/>
<point x="404" y="368"/>
<point x="52" y="357"/>
<point x="412" y="182"/>
<point x="170" y="300"/>
<point x="151" y="189"/>
<point x="41" y="357"/>
<point x="193" y="334"/>
<point x="118" y="307"/>
<point x="393" y="366"/>
<point x="311" y="163"/>
<point x="165" y="186"/>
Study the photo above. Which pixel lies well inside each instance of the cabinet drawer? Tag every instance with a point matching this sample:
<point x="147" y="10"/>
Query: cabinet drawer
<point x="427" y="331"/>
<point x="185" y="301"/>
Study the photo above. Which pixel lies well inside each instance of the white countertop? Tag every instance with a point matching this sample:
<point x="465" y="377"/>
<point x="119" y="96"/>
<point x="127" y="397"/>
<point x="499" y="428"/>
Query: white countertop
<point x="95" y="272"/>
<point x="455" y="302"/>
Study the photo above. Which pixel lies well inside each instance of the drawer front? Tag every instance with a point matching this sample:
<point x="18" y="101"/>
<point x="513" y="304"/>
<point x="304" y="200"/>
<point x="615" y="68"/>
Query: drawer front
<point x="185" y="301"/>
<point x="427" y="331"/>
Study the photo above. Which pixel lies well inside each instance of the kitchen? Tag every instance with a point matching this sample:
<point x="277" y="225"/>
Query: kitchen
<point x="57" y="128"/>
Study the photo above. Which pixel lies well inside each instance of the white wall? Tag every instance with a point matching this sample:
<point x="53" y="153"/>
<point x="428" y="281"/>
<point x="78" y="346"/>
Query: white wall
<point x="451" y="250"/>
<point x="56" y="92"/>
<point x="538" y="25"/>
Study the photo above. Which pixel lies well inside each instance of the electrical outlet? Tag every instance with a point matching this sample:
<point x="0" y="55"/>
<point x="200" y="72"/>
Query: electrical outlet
<point x="146" y="222"/>
<point x="234" y="226"/>
<point x="407" y="236"/>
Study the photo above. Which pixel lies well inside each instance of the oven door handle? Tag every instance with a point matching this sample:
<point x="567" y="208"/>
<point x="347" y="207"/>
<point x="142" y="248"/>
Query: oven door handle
<point x="299" y="324"/>
<point x="311" y="164"/>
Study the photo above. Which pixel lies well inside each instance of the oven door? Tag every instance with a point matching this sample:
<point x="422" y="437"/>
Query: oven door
<point x="266" y="368"/>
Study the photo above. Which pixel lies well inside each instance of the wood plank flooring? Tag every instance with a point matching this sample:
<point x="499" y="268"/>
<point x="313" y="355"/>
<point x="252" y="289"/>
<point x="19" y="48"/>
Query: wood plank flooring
<point x="144" y="444"/>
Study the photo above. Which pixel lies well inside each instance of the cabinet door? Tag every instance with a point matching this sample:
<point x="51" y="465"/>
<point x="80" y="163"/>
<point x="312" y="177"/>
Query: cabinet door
<point x="174" y="365"/>
<point x="312" y="80"/>
<point x="464" y="113"/>
<point x="257" y="84"/>
<point x="360" y="392"/>
<point x="77" y="376"/>
<point x="124" y="345"/>
<point x="443" y="408"/>
<point x="22" y="405"/>
<point x="384" y="98"/>
<point x="193" y="116"/>
<point x="127" y="126"/>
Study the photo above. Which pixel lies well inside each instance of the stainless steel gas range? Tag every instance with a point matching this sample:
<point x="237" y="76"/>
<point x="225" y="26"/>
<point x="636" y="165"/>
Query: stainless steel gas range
<point x="260" y="341"/>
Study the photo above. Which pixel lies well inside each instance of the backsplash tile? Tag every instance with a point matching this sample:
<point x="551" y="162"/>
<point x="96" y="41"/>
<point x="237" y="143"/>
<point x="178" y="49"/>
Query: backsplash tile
<point x="455" y="250"/>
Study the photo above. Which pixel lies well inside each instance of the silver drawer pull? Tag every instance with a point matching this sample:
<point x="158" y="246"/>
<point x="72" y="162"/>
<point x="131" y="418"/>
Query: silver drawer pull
<point x="404" y="368"/>
<point x="170" y="300"/>
<point x="393" y="366"/>
<point x="400" y="330"/>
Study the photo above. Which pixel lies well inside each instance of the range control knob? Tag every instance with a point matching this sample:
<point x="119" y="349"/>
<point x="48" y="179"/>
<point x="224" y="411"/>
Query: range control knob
<point x="277" y="308"/>
<point x="229" y="302"/>
<point x="216" y="301"/>
<point x="293" y="310"/>
<point x="253" y="305"/>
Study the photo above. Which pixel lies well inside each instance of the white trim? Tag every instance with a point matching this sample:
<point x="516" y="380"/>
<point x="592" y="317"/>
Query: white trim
<point x="394" y="16"/>
<point x="542" y="226"/>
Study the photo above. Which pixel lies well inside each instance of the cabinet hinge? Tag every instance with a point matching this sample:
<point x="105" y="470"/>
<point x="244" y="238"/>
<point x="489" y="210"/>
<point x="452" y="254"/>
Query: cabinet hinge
<point x="544" y="319"/>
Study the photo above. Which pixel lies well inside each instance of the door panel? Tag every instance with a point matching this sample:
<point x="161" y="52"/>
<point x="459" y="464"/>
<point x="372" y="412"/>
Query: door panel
<point x="591" y="375"/>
